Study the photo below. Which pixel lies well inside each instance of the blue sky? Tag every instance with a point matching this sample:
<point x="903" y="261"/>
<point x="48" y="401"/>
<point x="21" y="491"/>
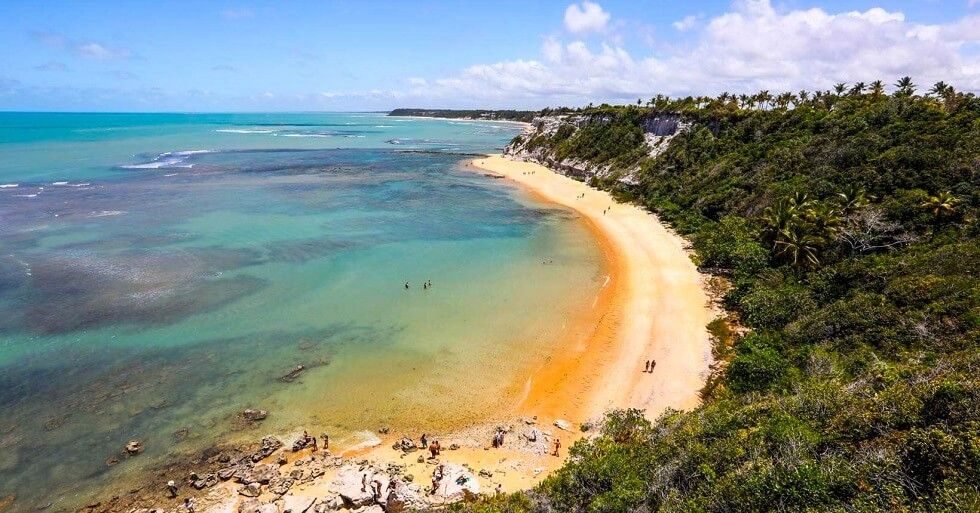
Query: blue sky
<point x="211" y="56"/>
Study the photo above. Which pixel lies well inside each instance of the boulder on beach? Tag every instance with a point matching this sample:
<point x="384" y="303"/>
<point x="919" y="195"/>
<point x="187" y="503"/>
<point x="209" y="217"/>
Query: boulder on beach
<point x="348" y="485"/>
<point x="259" y="474"/>
<point x="250" y="490"/>
<point x="294" y="504"/>
<point x="457" y="483"/>
<point x="269" y="445"/>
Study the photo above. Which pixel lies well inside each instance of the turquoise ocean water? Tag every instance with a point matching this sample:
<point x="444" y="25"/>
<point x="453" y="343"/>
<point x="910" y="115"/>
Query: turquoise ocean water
<point x="160" y="272"/>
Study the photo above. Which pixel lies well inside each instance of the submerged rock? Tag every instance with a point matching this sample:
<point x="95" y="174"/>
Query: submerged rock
<point x="292" y="375"/>
<point x="134" y="447"/>
<point x="251" y="415"/>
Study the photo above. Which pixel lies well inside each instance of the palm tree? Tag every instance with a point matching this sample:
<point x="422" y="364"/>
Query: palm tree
<point x="852" y="200"/>
<point x="942" y="205"/>
<point x="939" y="89"/>
<point x="799" y="248"/>
<point x="857" y="89"/>
<point x="839" y="87"/>
<point x="877" y="89"/>
<point x="905" y="86"/>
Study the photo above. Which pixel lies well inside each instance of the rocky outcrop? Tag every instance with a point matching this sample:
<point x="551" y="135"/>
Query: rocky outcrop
<point x="534" y="144"/>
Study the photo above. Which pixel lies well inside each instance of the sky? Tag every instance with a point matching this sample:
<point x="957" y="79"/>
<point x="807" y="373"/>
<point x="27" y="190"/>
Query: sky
<point x="181" y="56"/>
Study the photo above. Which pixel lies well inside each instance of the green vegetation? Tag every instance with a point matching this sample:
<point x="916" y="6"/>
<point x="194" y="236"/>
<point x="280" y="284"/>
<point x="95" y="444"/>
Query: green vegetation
<point x="847" y="223"/>
<point x="493" y="115"/>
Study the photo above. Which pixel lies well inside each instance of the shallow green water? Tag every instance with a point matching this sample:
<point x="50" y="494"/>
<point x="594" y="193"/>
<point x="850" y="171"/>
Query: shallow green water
<point x="150" y="289"/>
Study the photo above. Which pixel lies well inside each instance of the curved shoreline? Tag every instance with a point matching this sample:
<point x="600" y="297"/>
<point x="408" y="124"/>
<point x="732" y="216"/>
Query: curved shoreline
<point x="651" y="305"/>
<point x="658" y="309"/>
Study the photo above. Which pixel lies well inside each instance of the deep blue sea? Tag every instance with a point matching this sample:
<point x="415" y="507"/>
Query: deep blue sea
<point x="160" y="272"/>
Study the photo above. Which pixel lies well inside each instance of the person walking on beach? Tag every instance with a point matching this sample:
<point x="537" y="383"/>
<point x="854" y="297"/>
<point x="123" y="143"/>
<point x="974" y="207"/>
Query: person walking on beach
<point x="434" y="449"/>
<point x="172" y="488"/>
<point x="189" y="505"/>
<point x="437" y="475"/>
<point x="646" y="367"/>
<point x="326" y="441"/>
<point x="425" y="441"/>
<point x="653" y="363"/>
<point x="363" y="482"/>
<point x="557" y="446"/>
<point x="313" y="440"/>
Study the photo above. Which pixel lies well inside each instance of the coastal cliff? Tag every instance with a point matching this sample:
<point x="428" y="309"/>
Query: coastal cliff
<point x="542" y="143"/>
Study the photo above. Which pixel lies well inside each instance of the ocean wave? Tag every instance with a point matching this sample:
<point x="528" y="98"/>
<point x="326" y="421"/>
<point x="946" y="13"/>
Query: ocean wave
<point x="304" y="135"/>
<point x="168" y="160"/>
<point x="107" y="213"/>
<point x="8" y="185"/>
<point x="59" y="183"/>
<point x="244" y="131"/>
<point x="25" y="195"/>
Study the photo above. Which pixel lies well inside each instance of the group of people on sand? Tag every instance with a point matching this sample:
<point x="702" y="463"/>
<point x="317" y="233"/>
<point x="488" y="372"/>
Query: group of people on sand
<point x="528" y="173"/>
<point x="426" y="285"/>
<point x="649" y="366"/>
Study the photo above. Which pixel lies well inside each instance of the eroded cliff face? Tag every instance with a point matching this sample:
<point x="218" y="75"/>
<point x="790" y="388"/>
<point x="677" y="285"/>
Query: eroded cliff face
<point x="535" y="144"/>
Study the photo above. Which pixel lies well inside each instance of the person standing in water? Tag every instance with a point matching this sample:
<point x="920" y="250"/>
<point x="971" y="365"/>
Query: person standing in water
<point x="406" y="285"/>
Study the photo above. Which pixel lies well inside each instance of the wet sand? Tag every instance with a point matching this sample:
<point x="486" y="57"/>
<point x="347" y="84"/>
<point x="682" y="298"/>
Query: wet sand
<point x="653" y="307"/>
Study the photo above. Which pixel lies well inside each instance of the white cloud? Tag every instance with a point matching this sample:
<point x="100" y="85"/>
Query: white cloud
<point x="101" y="52"/>
<point x="685" y="23"/>
<point x="87" y="49"/>
<point x="753" y="46"/>
<point x="586" y="17"/>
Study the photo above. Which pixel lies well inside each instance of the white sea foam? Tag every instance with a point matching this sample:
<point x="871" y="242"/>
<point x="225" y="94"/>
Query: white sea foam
<point x="384" y="126"/>
<point x="8" y="185"/>
<point x="304" y="135"/>
<point x="243" y="131"/>
<point x="168" y="159"/>
<point x="59" y="183"/>
<point x="81" y="184"/>
<point x="26" y="195"/>
<point x="107" y="213"/>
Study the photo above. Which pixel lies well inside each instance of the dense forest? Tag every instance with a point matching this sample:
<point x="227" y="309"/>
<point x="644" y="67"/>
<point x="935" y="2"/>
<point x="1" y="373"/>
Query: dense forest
<point x="846" y="222"/>
<point x="490" y="115"/>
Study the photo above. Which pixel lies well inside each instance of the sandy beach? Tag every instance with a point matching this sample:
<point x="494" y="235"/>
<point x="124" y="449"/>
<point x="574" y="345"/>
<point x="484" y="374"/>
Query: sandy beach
<point x="653" y="307"/>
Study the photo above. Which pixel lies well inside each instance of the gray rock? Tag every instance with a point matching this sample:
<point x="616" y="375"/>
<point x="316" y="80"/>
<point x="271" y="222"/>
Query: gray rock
<point x="294" y="504"/>
<point x="348" y="486"/>
<point x="280" y="485"/>
<point x="250" y="490"/>
<point x="134" y="447"/>
<point x="259" y="474"/>
<point x="270" y="444"/>
<point x="251" y="415"/>
<point x="206" y="481"/>
<point x="457" y="483"/>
